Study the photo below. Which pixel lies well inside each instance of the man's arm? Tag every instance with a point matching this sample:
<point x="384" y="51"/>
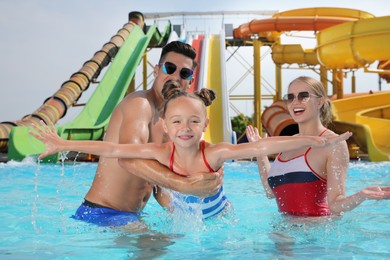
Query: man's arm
<point x="201" y="184"/>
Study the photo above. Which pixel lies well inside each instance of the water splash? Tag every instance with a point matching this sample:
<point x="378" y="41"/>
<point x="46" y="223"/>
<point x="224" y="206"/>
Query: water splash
<point x="34" y="209"/>
<point x="184" y="216"/>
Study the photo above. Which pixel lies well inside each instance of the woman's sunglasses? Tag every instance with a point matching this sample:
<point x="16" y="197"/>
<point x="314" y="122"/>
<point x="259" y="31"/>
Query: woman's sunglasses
<point x="302" y="97"/>
<point x="170" y="68"/>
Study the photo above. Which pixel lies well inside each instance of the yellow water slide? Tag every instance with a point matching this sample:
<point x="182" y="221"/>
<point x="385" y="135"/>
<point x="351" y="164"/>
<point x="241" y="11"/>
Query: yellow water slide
<point x="368" y="117"/>
<point x="356" y="45"/>
<point x="214" y="77"/>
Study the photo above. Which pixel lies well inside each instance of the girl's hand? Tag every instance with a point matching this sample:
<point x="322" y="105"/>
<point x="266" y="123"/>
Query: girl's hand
<point x="323" y="141"/>
<point x="48" y="135"/>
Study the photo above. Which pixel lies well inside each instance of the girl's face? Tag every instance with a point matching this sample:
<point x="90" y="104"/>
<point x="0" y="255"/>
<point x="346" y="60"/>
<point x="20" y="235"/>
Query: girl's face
<point x="185" y="121"/>
<point x="303" y="105"/>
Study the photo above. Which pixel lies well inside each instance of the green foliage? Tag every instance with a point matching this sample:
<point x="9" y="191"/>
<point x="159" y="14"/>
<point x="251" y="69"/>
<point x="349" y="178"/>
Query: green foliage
<point x="240" y="122"/>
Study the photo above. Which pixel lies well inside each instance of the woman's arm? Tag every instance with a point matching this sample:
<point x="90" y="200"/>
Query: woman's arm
<point x="263" y="164"/>
<point x="55" y="144"/>
<point x="336" y="168"/>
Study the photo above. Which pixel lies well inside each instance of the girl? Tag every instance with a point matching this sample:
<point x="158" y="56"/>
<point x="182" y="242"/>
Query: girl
<point x="310" y="181"/>
<point x="185" y="120"/>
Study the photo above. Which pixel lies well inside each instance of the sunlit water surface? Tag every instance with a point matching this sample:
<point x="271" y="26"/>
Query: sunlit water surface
<point x="37" y="202"/>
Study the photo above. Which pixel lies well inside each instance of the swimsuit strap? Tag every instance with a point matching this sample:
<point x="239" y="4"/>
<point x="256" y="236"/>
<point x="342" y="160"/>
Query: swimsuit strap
<point x="172" y="159"/>
<point x="326" y="129"/>
<point x="308" y="149"/>
<point x="202" y="146"/>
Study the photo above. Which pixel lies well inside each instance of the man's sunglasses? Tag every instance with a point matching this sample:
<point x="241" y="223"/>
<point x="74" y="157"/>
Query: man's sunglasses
<point x="170" y="68"/>
<point x="302" y="97"/>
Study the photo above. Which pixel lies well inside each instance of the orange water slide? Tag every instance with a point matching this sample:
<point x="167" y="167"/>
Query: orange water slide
<point x="277" y="120"/>
<point x="305" y="19"/>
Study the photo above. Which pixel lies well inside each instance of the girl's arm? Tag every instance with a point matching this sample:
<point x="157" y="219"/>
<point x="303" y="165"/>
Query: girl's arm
<point x="272" y="145"/>
<point x="55" y="144"/>
<point x="263" y="164"/>
<point x="336" y="169"/>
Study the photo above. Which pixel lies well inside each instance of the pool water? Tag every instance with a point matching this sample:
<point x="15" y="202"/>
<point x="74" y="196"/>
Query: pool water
<point x="36" y="202"/>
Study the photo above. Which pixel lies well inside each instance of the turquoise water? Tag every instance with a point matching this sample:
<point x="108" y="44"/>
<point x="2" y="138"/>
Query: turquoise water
<point x="37" y="201"/>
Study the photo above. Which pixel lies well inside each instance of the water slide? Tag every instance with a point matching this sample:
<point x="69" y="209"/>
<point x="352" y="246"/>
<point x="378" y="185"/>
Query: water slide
<point x="346" y="39"/>
<point x="92" y="121"/>
<point x="56" y="106"/>
<point x="214" y="77"/>
<point x="197" y="43"/>
<point x="368" y="117"/>
<point x="357" y="44"/>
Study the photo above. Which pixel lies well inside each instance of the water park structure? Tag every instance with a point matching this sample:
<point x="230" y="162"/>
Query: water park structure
<point x="347" y="40"/>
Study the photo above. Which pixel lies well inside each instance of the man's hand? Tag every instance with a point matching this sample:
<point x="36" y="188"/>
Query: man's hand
<point x="206" y="184"/>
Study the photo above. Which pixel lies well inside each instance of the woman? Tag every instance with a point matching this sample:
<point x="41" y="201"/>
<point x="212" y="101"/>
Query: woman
<point x="311" y="181"/>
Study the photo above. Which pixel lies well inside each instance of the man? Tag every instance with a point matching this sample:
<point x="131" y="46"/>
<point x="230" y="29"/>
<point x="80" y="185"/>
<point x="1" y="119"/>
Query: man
<point x="117" y="194"/>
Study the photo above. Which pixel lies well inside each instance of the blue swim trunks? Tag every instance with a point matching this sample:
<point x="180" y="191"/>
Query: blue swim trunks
<point x="102" y="216"/>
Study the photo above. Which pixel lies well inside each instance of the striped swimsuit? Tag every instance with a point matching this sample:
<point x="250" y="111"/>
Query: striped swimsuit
<point x="210" y="206"/>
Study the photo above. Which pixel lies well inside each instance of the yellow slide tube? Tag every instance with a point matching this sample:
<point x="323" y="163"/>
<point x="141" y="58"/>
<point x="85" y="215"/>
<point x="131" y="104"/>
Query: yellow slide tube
<point x="354" y="44"/>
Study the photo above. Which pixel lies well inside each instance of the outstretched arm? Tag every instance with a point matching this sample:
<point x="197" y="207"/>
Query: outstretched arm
<point x="336" y="168"/>
<point x="273" y="145"/>
<point x="263" y="164"/>
<point x="54" y="144"/>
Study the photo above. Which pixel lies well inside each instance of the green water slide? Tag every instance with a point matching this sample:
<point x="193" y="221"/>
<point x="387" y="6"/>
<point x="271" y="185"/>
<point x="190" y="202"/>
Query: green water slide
<point x="92" y="121"/>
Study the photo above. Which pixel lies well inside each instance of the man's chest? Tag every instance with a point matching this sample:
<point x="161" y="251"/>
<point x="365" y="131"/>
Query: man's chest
<point x="157" y="133"/>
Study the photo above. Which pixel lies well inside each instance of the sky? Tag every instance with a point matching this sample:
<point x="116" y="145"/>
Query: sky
<point x="44" y="42"/>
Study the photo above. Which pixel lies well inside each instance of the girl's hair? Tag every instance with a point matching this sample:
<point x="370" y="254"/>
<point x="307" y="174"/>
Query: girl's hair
<point x="172" y="90"/>
<point x="319" y="90"/>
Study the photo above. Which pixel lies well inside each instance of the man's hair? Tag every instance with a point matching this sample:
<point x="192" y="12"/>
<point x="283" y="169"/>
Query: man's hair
<point x="181" y="48"/>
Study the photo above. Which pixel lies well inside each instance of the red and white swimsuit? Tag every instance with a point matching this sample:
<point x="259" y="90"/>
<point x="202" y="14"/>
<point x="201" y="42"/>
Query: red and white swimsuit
<point x="297" y="188"/>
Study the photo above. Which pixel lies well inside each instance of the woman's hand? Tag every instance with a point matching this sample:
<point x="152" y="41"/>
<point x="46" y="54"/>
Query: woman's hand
<point x="252" y="134"/>
<point x="376" y="193"/>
